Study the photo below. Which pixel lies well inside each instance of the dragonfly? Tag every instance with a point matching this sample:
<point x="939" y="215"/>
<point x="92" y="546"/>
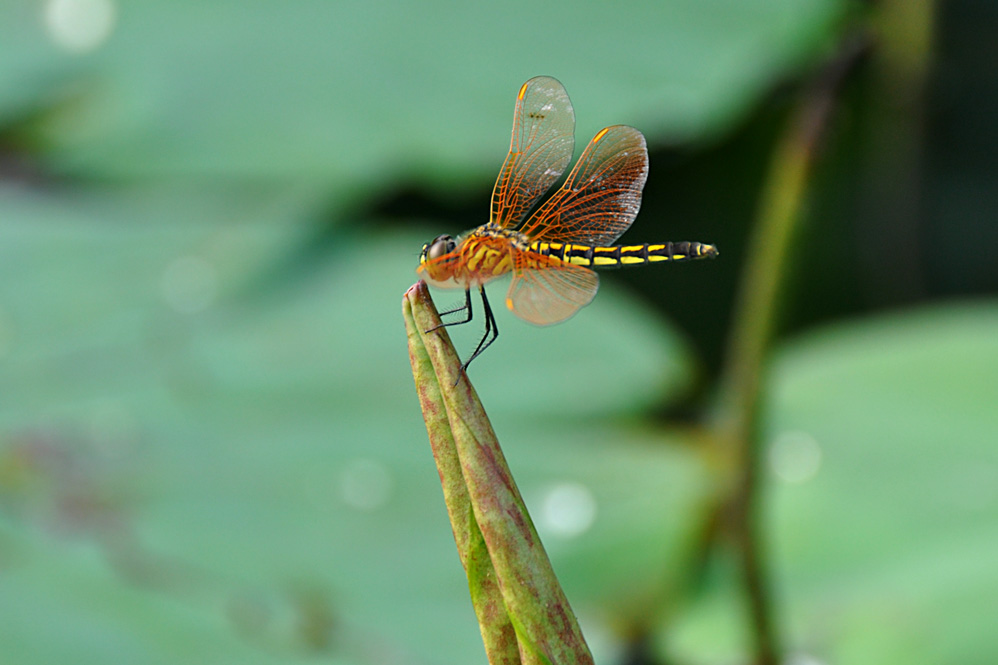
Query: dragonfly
<point x="550" y="247"/>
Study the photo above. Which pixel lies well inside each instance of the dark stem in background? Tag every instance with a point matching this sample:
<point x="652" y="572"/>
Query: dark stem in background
<point x="736" y="422"/>
<point x="892" y="202"/>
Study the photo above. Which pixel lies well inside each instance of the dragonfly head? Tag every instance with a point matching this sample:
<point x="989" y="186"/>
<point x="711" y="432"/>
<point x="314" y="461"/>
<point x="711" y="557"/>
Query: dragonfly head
<point x="437" y="261"/>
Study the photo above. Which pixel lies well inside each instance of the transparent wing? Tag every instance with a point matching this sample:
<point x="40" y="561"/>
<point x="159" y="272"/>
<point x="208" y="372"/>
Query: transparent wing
<point x="602" y="194"/>
<point x="539" y="152"/>
<point x="546" y="291"/>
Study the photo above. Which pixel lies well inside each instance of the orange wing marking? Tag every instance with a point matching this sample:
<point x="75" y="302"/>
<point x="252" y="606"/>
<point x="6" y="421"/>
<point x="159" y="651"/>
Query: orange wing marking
<point x="601" y="196"/>
<point x="539" y="152"/>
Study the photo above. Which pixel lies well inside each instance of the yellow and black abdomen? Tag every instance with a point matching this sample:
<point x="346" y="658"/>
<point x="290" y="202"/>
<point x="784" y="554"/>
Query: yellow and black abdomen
<point x="624" y="255"/>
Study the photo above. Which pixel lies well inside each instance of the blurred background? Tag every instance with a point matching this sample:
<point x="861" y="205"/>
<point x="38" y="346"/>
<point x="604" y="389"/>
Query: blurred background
<point x="210" y="446"/>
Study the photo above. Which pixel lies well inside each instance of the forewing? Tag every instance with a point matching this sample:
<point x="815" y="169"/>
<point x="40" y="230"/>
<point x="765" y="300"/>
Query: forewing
<point x="602" y="194"/>
<point x="539" y="151"/>
<point x="546" y="291"/>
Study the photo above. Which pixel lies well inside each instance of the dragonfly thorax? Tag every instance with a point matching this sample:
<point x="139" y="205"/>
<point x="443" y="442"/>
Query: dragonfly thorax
<point x="472" y="259"/>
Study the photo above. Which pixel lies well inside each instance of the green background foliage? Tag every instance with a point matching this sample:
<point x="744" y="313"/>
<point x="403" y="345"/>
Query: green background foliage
<point x="210" y="449"/>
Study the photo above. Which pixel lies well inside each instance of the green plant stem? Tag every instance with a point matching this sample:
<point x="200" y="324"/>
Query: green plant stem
<point x="736" y="420"/>
<point x="513" y="586"/>
<point x="497" y="630"/>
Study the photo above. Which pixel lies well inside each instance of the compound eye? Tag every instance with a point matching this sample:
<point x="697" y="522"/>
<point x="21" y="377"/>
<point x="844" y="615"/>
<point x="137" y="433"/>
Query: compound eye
<point x="441" y="245"/>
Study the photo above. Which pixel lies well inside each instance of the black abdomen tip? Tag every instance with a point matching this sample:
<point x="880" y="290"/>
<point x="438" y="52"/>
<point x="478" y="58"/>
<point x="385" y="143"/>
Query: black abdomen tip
<point x="705" y="250"/>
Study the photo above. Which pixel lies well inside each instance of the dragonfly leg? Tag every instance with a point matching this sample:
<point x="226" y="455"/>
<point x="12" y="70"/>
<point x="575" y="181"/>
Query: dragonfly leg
<point x="491" y="330"/>
<point x="465" y="306"/>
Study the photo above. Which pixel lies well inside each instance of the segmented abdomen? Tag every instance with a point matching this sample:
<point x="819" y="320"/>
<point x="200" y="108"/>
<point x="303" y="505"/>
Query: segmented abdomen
<point x="624" y="255"/>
